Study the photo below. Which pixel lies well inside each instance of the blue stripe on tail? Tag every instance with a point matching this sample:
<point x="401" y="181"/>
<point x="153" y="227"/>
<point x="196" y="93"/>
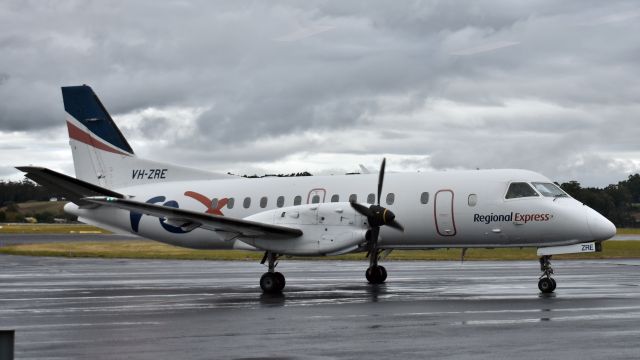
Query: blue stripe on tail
<point x="83" y="104"/>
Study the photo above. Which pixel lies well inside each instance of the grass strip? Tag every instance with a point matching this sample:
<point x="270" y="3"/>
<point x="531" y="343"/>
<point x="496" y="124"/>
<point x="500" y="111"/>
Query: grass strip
<point x="153" y="250"/>
<point x="50" y="229"/>
<point x="628" y="231"/>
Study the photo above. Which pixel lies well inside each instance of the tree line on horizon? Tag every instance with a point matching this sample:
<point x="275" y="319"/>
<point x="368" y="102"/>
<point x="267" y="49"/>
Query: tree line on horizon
<point x="620" y="203"/>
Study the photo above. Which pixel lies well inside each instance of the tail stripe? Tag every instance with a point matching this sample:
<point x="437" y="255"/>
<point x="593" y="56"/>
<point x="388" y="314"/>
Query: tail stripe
<point x="78" y="134"/>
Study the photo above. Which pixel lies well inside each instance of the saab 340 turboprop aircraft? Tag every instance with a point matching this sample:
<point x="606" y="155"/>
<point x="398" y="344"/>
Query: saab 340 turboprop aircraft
<point x="314" y="215"/>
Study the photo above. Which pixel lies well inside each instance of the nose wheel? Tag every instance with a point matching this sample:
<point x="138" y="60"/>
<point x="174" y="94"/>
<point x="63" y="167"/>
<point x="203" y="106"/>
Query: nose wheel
<point x="546" y="284"/>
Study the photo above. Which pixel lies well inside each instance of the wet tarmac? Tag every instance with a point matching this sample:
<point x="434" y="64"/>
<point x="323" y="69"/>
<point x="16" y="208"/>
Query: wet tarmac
<point x="155" y="309"/>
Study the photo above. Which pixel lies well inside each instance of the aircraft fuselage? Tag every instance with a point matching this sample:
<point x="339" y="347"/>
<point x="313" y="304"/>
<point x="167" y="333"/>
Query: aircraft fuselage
<point x="438" y="209"/>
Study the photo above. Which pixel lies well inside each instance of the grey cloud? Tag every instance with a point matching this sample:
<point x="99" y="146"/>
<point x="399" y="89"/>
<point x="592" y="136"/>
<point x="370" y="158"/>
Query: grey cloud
<point x="337" y="69"/>
<point x="6" y="171"/>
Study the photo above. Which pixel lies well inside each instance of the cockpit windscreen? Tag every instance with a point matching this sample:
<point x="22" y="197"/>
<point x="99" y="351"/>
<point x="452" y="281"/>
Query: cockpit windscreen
<point x="549" y="189"/>
<point x="520" y="190"/>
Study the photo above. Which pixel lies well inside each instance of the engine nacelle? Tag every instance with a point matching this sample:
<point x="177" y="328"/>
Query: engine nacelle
<point x="328" y="229"/>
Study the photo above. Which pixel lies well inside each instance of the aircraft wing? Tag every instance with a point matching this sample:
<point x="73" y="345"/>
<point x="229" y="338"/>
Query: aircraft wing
<point x="71" y="188"/>
<point x="237" y="228"/>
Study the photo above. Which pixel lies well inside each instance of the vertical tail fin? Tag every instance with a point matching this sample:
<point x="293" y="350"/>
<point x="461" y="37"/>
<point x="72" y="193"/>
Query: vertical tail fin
<point x="83" y="106"/>
<point x="101" y="154"/>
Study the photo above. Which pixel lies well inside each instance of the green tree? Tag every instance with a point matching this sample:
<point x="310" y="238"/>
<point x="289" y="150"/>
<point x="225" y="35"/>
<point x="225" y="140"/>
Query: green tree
<point x="572" y="188"/>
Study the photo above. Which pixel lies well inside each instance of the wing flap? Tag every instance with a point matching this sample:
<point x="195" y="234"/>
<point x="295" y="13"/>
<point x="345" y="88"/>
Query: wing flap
<point x="191" y="219"/>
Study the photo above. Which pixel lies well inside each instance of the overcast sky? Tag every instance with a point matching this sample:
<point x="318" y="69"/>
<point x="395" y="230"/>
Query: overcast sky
<point x="282" y="86"/>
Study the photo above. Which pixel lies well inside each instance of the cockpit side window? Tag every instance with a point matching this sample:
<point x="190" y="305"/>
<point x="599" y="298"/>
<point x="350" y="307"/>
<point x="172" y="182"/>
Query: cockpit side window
<point x="549" y="189"/>
<point x="520" y="190"/>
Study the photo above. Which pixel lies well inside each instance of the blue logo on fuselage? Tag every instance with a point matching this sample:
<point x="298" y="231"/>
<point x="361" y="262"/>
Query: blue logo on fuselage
<point x="136" y="217"/>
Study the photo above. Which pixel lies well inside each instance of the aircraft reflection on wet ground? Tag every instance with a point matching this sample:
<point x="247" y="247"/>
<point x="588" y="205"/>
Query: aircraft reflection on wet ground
<point x="144" y="309"/>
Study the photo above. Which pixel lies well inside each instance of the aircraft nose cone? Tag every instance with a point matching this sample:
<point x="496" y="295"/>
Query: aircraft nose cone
<point x="601" y="228"/>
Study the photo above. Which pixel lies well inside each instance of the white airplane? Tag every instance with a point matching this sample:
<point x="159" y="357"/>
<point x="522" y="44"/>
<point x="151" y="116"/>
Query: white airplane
<point x="314" y="215"/>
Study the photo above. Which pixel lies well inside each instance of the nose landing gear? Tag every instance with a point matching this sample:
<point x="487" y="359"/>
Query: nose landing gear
<point x="546" y="284"/>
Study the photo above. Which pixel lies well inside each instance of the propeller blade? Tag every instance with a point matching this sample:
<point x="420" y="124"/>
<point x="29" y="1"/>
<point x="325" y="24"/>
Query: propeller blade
<point x="363" y="210"/>
<point x="396" y="225"/>
<point x="381" y="179"/>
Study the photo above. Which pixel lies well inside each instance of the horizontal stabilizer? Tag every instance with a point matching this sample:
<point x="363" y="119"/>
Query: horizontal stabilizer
<point x="69" y="187"/>
<point x="190" y="219"/>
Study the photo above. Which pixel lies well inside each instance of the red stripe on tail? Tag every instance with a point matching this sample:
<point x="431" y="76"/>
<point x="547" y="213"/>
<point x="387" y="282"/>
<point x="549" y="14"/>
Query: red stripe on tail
<point x="78" y="134"/>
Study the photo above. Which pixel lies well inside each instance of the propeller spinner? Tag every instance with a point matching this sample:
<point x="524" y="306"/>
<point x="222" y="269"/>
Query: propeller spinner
<point x="376" y="214"/>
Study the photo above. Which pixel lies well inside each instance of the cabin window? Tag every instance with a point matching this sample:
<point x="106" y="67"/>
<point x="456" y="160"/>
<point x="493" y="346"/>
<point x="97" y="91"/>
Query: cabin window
<point x="371" y="198"/>
<point x="472" y="200"/>
<point x="247" y="202"/>
<point x="391" y="197"/>
<point x="214" y="203"/>
<point x="353" y="198"/>
<point x="549" y="189"/>
<point x="520" y="190"/>
<point x="297" y="200"/>
<point x="424" y="198"/>
<point x="230" y="203"/>
<point x="280" y="201"/>
<point x="315" y="199"/>
<point x="263" y="202"/>
<point x="335" y="198"/>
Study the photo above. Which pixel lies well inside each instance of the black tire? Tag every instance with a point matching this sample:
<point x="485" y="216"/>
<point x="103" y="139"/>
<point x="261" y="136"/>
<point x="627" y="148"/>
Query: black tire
<point x="369" y="275"/>
<point x="269" y="283"/>
<point x="376" y="274"/>
<point x="553" y="288"/>
<point x="281" y="280"/>
<point x="383" y="274"/>
<point x="546" y="285"/>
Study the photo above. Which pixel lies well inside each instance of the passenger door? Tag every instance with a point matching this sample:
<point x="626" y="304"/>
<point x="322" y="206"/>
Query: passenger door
<point x="316" y="196"/>
<point x="443" y="213"/>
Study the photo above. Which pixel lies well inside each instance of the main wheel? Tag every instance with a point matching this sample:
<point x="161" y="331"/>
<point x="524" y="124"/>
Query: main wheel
<point x="269" y="283"/>
<point x="376" y="274"/>
<point x="383" y="273"/>
<point x="554" y="284"/>
<point x="546" y="285"/>
<point x="281" y="280"/>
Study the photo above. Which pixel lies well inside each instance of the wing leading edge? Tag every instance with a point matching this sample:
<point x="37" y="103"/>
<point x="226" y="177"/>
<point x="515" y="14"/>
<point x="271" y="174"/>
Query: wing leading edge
<point x="238" y="228"/>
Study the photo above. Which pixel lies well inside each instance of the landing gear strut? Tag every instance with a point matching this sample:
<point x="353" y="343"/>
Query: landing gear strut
<point x="377" y="216"/>
<point x="375" y="274"/>
<point x="546" y="284"/>
<point x="271" y="282"/>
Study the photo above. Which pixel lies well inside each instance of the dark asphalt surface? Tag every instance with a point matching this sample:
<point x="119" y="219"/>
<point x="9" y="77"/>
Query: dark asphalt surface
<point x="159" y="309"/>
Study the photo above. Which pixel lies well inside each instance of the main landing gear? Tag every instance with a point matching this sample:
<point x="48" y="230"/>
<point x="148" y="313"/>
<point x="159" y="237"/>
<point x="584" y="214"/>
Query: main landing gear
<point x="546" y="284"/>
<point x="271" y="282"/>
<point x="375" y="274"/>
